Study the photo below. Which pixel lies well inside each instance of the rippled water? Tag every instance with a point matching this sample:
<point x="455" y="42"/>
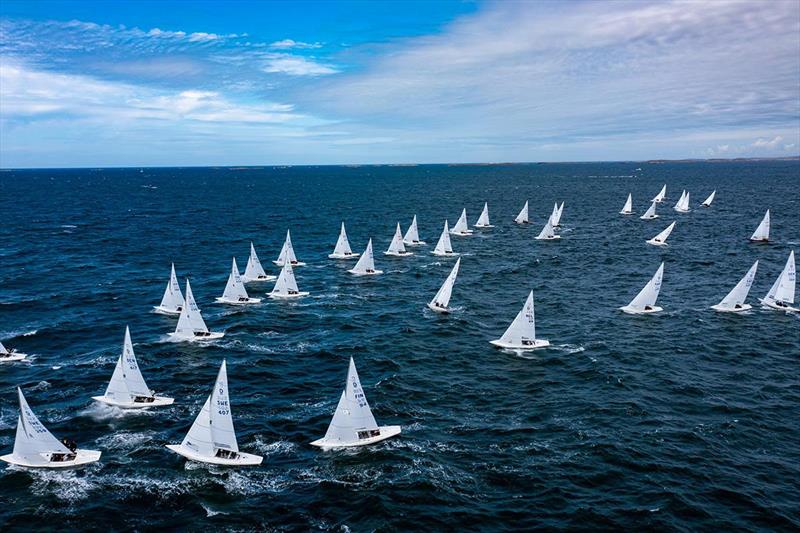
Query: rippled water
<point x="685" y="419"/>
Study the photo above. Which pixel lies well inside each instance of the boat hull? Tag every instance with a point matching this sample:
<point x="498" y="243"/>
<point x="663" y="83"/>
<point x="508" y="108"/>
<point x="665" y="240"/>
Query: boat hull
<point x="681" y="210"/>
<point x="164" y="311"/>
<point x="288" y="296"/>
<point x="537" y="343"/>
<point x="483" y="226"/>
<point x="414" y="243"/>
<point x="633" y="311"/>
<point x="213" y="335"/>
<point x="655" y="242"/>
<point x="464" y="233"/>
<point x="242" y="459"/>
<point x="398" y="254"/>
<point x="238" y="302"/>
<point x="82" y="457"/>
<point x="437" y="309"/>
<point x="256" y="280"/>
<point x="722" y="309"/>
<point x="653" y="217"/>
<point x="626" y="212"/>
<point x="386" y="433"/>
<point x="553" y="238"/>
<point x="341" y="256"/>
<point x="373" y="273"/>
<point x="159" y="401"/>
<point x="296" y="264"/>
<point x="13" y="356"/>
<point x="773" y="305"/>
<point x="444" y="254"/>
<point x="759" y="240"/>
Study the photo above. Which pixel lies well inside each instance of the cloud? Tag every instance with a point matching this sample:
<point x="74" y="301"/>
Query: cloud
<point x="295" y="65"/>
<point x="764" y="143"/>
<point x="289" y="43"/>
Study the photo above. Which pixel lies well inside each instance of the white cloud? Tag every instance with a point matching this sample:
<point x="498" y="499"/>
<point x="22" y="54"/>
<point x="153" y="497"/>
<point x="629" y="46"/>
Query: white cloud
<point x="296" y="65"/>
<point x="290" y="43"/>
<point x="770" y="144"/>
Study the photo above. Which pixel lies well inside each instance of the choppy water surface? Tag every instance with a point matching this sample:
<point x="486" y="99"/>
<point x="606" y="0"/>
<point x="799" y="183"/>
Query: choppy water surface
<point x="685" y="419"/>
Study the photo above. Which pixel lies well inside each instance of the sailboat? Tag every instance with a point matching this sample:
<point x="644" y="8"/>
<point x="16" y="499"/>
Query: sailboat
<point x="555" y="216"/>
<point x="682" y="205"/>
<point x="353" y="423"/>
<point x="661" y="238"/>
<point x="707" y="201"/>
<point x="36" y="447"/>
<point x="547" y="233"/>
<point x="483" y="220"/>
<point x="412" y="235"/>
<point x="212" y="438"/>
<point x="442" y="298"/>
<point x="734" y="301"/>
<point x="254" y="270"/>
<point x="287" y="253"/>
<point x="7" y="356"/>
<point x="127" y="388"/>
<point x="342" y="249"/>
<point x="366" y="265"/>
<point x="661" y="195"/>
<point x="781" y="294"/>
<point x="235" y="293"/>
<point x="650" y="214"/>
<point x="522" y="218"/>
<point x="191" y="326"/>
<point x="397" y="248"/>
<point x="761" y="234"/>
<point x="627" y="209"/>
<point x="521" y="334"/>
<point x="461" y="228"/>
<point x="286" y="286"/>
<point x="443" y="246"/>
<point x="172" y="302"/>
<point x="645" y="301"/>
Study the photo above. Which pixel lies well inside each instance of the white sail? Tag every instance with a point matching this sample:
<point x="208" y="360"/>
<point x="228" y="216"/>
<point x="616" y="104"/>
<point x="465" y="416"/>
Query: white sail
<point x="213" y="428"/>
<point x="443" y="246"/>
<point x="234" y="290"/>
<point x="627" y="209"/>
<point x="254" y="270"/>
<point x="190" y="321"/>
<point x="412" y="235"/>
<point x="366" y="264"/>
<point x="707" y="201"/>
<point x="353" y="419"/>
<point x="661" y="238"/>
<point x="547" y="232"/>
<point x="33" y="442"/>
<point x="661" y="195"/>
<point x="3" y="350"/>
<point x="682" y="205"/>
<point x="173" y="299"/>
<point x="784" y="287"/>
<point x="483" y="220"/>
<point x="286" y="284"/>
<point x="442" y="298"/>
<point x="287" y="252"/>
<point x="342" y="248"/>
<point x="461" y="227"/>
<point x="397" y="247"/>
<point x="735" y="299"/>
<point x="521" y="334"/>
<point x="762" y="231"/>
<point x="127" y="381"/>
<point x="554" y="215"/>
<point x="650" y="213"/>
<point x="646" y="299"/>
<point x="522" y="218"/>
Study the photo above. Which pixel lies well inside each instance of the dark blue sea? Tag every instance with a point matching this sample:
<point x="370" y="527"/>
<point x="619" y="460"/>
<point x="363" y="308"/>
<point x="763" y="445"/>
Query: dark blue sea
<point x="684" y="420"/>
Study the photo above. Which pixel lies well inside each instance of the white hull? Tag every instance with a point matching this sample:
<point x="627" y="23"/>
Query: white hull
<point x="414" y="243"/>
<point x="343" y="256"/>
<point x="633" y="311"/>
<point x="537" y="343"/>
<point x="522" y="222"/>
<point x="239" y="302"/>
<point x="722" y="309"/>
<point x="437" y="309"/>
<point x="552" y="238"/>
<point x="758" y="240"/>
<point x="373" y="273"/>
<point x="626" y="212"/>
<point x="164" y="311"/>
<point x="242" y="459"/>
<point x="773" y="305"/>
<point x="299" y="294"/>
<point x="159" y="401"/>
<point x="655" y="242"/>
<point x="82" y="457"/>
<point x="462" y="233"/>
<point x="398" y="254"/>
<point x="483" y="226"/>
<point x="294" y="264"/>
<point x="212" y="335"/>
<point x="444" y="254"/>
<point x="258" y="279"/>
<point x="652" y="217"/>
<point x="386" y="432"/>
<point x="681" y="210"/>
<point x="12" y="356"/>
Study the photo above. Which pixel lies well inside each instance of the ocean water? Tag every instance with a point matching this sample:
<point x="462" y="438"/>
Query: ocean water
<point x="688" y="419"/>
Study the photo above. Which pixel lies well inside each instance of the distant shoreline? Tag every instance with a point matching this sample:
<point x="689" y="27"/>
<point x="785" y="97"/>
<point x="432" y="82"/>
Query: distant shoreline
<point x="494" y="164"/>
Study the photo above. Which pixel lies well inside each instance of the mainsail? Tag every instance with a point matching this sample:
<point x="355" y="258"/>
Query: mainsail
<point x="442" y="298"/>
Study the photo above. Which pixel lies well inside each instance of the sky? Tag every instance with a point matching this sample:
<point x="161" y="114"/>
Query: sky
<point x="179" y="83"/>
